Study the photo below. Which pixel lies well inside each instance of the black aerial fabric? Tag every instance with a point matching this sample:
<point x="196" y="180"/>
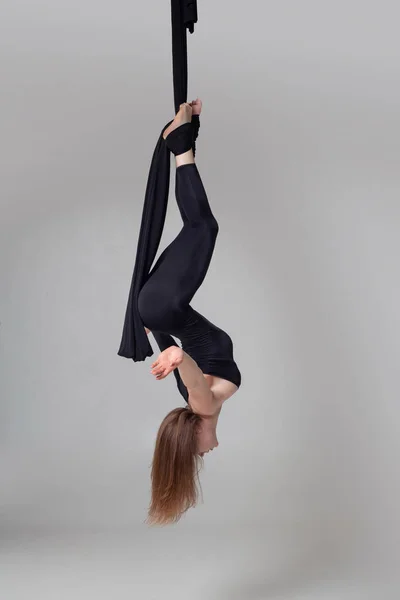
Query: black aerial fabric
<point x="135" y="343"/>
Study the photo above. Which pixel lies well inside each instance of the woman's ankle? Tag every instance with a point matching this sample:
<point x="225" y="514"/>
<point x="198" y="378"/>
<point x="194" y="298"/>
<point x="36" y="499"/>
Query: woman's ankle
<point x="184" y="159"/>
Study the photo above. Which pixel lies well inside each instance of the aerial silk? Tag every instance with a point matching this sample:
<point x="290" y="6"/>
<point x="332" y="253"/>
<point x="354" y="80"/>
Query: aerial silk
<point x="135" y="342"/>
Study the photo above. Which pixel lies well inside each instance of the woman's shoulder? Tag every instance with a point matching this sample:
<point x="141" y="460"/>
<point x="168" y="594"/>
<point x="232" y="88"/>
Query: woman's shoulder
<point x="222" y="389"/>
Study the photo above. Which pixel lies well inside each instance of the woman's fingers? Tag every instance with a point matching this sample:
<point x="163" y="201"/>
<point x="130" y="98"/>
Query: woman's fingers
<point x="160" y="369"/>
<point x="163" y="373"/>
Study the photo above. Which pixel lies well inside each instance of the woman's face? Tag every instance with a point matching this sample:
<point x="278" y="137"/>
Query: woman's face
<point x="206" y="438"/>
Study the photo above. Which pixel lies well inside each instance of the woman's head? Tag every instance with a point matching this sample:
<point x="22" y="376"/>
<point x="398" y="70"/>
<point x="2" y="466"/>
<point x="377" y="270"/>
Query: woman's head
<point x="175" y="466"/>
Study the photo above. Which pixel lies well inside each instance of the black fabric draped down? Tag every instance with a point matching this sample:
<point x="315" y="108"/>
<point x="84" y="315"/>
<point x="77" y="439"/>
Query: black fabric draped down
<point x="135" y="342"/>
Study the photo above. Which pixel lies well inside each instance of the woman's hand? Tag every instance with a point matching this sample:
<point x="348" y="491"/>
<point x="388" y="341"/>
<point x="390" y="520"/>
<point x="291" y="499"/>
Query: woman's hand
<point x="196" y="106"/>
<point x="167" y="361"/>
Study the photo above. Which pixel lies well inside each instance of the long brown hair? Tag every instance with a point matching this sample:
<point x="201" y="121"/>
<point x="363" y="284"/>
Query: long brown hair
<point x="174" y="472"/>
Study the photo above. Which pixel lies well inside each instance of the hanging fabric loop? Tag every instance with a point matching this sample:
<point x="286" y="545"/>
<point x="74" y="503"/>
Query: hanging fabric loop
<point x="135" y="343"/>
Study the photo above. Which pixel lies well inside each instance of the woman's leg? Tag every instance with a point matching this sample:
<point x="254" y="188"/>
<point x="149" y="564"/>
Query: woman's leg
<point x="181" y="268"/>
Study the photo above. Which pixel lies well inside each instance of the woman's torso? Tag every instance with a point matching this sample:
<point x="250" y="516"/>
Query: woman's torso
<point x="212" y="349"/>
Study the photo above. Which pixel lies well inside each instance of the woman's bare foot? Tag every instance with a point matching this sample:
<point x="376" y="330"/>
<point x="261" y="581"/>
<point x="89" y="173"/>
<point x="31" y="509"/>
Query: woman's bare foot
<point x="184" y="115"/>
<point x="196" y="106"/>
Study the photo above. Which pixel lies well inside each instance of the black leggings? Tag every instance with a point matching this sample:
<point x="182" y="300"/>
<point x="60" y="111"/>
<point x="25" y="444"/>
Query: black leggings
<point x="164" y="300"/>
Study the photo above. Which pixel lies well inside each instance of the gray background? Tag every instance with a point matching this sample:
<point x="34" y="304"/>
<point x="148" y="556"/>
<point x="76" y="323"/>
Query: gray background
<point x="299" y="154"/>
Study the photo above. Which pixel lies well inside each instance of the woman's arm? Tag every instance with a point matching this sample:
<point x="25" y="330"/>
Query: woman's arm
<point x="201" y="397"/>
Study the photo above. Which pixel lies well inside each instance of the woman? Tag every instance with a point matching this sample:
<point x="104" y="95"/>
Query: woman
<point x="206" y="372"/>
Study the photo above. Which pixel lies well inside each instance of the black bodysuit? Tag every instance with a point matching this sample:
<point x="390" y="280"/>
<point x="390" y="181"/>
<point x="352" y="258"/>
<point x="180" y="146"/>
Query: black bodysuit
<point x="164" y="300"/>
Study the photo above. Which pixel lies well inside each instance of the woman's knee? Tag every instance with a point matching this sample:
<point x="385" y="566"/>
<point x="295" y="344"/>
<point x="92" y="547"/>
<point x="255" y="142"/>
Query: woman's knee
<point x="208" y="226"/>
<point x="213" y="225"/>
